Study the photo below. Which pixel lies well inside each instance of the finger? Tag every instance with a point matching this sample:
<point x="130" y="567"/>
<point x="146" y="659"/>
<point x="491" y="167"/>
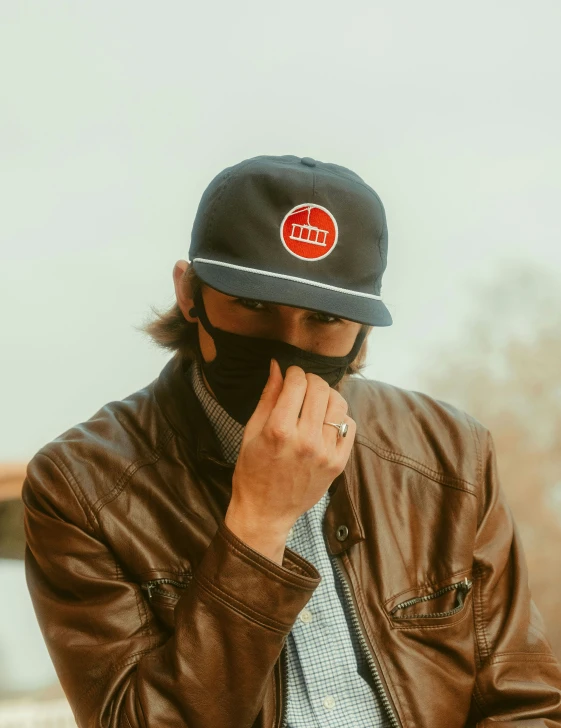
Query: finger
<point x="284" y="417"/>
<point x="267" y="401"/>
<point x="341" y="449"/>
<point x="336" y="412"/>
<point x="314" y="407"/>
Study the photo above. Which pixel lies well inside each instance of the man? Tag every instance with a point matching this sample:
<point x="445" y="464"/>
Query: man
<point x="256" y="539"/>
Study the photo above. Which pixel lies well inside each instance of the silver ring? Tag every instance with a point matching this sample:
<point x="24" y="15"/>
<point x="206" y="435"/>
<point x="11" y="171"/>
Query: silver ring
<point x="342" y="427"/>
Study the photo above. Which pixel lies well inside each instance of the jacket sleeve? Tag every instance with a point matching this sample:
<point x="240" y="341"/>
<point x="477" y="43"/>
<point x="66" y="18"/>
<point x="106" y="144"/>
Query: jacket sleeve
<point x="116" y="665"/>
<point x="518" y="680"/>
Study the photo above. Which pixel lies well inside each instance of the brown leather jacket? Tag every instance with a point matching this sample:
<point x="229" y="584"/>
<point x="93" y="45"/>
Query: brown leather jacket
<point x="155" y="614"/>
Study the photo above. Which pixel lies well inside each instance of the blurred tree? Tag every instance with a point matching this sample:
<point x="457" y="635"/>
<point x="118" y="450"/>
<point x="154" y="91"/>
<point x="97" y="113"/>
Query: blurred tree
<point x="505" y="369"/>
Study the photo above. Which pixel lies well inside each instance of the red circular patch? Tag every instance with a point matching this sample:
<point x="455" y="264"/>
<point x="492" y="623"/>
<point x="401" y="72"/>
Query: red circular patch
<point x="309" y="231"/>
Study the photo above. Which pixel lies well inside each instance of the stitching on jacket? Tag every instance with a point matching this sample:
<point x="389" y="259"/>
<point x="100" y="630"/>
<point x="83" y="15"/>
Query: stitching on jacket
<point x="262" y="565"/>
<point x="484" y="650"/>
<point x="131" y="470"/>
<point x="479" y="607"/>
<point x="347" y="485"/>
<point x="144" y="621"/>
<point x="72" y="482"/>
<point x="478" y="698"/>
<point x="533" y="657"/>
<point x="247" y="612"/>
<point x="478" y="452"/>
<point x="420" y="467"/>
<point x="478" y="447"/>
<point x="243" y="608"/>
<point x="299" y="563"/>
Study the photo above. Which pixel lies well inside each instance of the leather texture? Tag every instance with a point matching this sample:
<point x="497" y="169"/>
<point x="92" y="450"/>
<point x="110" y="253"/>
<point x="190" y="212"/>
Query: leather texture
<point x="156" y="614"/>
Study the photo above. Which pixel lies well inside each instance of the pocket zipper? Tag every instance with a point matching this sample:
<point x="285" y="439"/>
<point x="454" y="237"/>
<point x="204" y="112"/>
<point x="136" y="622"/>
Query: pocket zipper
<point x="151" y="588"/>
<point x="462" y="587"/>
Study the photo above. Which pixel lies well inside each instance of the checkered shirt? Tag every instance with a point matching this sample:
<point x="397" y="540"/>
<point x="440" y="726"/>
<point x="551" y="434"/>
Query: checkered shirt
<point x="329" y="682"/>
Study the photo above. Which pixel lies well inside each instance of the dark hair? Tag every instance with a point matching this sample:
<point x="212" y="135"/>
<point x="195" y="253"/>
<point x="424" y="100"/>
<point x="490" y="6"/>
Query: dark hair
<point x="170" y="329"/>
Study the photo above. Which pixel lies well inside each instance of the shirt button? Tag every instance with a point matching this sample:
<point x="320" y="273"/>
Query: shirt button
<point x="291" y="533"/>
<point x="306" y="616"/>
<point x="329" y="702"/>
<point x="342" y="533"/>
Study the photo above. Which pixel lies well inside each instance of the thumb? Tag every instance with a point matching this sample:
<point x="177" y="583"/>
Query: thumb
<point x="268" y="399"/>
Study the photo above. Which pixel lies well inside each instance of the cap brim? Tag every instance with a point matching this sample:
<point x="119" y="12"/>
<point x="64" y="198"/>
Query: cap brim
<point x="284" y="291"/>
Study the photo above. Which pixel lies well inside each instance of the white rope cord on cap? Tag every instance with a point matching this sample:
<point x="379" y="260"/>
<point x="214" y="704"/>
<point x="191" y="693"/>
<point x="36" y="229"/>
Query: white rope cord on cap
<point x="287" y="277"/>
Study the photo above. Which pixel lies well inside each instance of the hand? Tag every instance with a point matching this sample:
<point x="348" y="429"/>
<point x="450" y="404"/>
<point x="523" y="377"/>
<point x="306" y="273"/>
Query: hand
<point x="287" y="462"/>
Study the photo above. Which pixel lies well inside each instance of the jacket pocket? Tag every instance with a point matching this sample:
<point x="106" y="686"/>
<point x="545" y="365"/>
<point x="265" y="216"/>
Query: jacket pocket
<point x="436" y="606"/>
<point x="165" y="592"/>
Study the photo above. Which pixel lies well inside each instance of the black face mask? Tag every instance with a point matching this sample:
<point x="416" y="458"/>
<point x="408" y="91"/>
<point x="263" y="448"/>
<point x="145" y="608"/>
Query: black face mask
<point x="238" y="373"/>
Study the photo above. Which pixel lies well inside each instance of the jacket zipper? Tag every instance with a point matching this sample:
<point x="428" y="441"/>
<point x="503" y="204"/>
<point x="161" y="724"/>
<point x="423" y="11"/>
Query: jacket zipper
<point x="151" y="588"/>
<point x="462" y="587"/>
<point x="390" y="712"/>
<point x="359" y="631"/>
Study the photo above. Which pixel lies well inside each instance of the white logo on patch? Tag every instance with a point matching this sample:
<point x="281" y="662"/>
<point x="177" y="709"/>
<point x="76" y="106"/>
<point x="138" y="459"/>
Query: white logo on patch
<point x="309" y="231"/>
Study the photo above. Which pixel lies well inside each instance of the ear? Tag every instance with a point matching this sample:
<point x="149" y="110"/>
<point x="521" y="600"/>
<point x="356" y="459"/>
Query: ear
<point x="183" y="292"/>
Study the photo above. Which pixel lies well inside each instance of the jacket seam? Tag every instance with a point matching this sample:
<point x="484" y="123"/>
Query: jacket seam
<point x="478" y="448"/>
<point x="479" y="455"/>
<point x="347" y="484"/>
<point x="97" y="531"/>
<point x="87" y="510"/>
<point x="232" y="603"/>
<point x="483" y="649"/>
<point x="481" y="640"/>
<point x="511" y="657"/>
<point x="479" y="700"/>
<point x="131" y="469"/>
<point x="265" y="569"/>
<point x="479" y="613"/>
<point x="433" y="475"/>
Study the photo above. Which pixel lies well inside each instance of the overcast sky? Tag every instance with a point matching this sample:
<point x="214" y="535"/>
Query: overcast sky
<point x="116" y="115"/>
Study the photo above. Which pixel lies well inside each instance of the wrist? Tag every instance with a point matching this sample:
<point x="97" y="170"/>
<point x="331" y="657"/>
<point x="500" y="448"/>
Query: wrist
<point x="267" y="539"/>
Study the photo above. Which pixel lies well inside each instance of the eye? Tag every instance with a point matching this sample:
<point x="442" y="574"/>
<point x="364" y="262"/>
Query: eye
<point x="249" y="303"/>
<point x="332" y="319"/>
<point x="253" y="305"/>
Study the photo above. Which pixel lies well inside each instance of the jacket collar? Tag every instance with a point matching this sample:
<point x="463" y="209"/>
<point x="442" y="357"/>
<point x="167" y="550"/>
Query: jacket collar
<point x="182" y="409"/>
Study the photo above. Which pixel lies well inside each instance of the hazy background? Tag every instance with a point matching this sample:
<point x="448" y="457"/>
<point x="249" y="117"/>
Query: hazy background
<point x="116" y="115"/>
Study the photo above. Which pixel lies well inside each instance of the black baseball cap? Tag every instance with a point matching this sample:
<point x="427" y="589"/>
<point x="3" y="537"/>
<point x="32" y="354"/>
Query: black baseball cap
<point x="294" y="231"/>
